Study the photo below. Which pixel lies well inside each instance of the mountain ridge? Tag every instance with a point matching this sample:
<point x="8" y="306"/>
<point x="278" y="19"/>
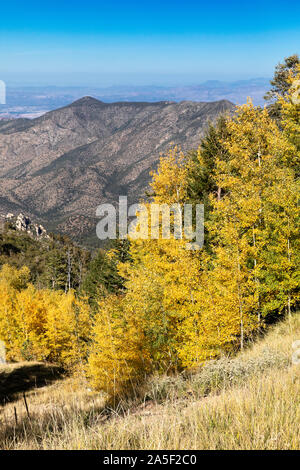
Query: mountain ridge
<point x="65" y="163"/>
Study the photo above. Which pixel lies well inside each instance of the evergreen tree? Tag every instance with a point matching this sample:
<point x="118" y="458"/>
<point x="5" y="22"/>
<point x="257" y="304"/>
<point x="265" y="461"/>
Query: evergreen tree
<point x="102" y="276"/>
<point x="202" y="163"/>
<point x="280" y="84"/>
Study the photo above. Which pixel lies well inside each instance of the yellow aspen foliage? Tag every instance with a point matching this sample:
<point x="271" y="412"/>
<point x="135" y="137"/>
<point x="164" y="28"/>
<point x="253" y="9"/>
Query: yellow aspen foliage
<point x="11" y="282"/>
<point x="117" y="358"/>
<point x="41" y="324"/>
<point x="282" y="245"/>
<point x="253" y="179"/>
<point x="163" y="276"/>
<point x="30" y="314"/>
<point x="140" y="332"/>
<point x="281" y="255"/>
<point x="169" y="182"/>
<point x="8" y="324"/>
<point x="253" y="266"/>
<point x="181" y="307"/>
<point x="15" y="278"/>
<point x="219" y="314"/>
<point x="67" y="328"/>
<point x="161" y="286"/>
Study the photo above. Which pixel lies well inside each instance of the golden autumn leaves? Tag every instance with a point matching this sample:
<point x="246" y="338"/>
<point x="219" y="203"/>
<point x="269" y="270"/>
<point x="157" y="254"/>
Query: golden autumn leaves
<point x="183" y="307"/>
<point x="180" y="307"/>
<point x="41" y="324"/>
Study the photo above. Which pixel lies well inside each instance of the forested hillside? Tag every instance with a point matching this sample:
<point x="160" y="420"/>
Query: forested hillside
<point x="151" y="306"/>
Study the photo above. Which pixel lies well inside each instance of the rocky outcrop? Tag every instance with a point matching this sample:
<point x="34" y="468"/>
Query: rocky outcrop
<point x="23" y="223"/>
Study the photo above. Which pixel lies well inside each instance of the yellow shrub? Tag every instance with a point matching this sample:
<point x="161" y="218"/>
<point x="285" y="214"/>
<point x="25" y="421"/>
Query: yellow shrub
<point x="117" y="358"/>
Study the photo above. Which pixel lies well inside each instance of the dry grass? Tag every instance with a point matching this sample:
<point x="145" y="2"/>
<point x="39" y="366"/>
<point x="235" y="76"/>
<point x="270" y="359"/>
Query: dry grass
<point x="249" y="402"/>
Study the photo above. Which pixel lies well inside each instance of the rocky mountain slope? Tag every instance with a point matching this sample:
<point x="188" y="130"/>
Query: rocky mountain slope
<point x="59" y="167"/>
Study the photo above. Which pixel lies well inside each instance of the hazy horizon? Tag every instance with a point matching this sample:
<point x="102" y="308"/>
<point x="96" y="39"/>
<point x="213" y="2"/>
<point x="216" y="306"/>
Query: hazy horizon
<point x="33" y="101"/>
<point x="113" y="83"/>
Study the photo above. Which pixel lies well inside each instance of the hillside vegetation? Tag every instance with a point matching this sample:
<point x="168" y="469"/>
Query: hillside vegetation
<point x="152" y="305"/>
<point x="249" y="402"/>
<point x="155" y="334"/>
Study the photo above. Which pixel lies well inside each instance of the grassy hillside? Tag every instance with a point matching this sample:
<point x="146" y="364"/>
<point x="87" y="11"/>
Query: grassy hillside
<point x="248" y="402"/>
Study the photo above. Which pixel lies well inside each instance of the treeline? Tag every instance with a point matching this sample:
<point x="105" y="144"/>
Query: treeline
<point x="152" y="305"/>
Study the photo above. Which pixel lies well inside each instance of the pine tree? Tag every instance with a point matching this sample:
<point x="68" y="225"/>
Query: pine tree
<point x="281" y="84"/>
<point x="202" y="163"/>
<point x="290" y="105"/>
<point x="102" y="276"/>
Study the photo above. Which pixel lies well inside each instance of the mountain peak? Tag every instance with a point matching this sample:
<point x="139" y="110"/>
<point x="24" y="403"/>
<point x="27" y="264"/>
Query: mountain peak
<point x="86" y="100"/>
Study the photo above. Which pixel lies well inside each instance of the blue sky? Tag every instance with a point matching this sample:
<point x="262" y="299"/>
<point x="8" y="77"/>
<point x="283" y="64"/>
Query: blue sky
<point x="146" y="42"/>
